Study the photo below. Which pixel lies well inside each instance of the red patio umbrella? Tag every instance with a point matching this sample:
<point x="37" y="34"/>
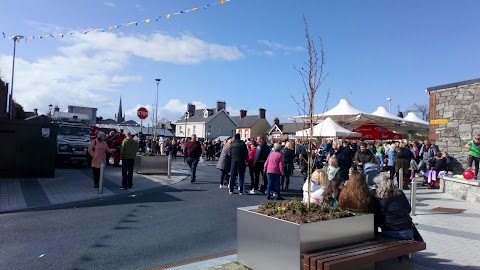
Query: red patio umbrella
<point x="375" y="132"/>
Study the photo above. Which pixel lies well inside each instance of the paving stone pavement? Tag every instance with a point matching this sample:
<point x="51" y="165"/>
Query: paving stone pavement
<point x="453" y="240"/>
<point x="76" y="184"/>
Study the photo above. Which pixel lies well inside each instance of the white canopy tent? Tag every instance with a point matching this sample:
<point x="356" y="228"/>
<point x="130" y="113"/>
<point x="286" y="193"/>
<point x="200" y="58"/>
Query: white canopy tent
<point x="328" y="128"/>
<point x="412" y="117"/>
<point x="383" y="112"/>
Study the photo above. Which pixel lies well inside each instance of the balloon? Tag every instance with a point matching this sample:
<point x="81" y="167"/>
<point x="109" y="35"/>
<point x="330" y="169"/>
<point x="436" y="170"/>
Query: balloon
<point x="468" y="174"/>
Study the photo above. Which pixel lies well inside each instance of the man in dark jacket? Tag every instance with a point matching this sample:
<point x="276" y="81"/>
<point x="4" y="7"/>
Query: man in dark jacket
<point x="364" y="156"/>
<point x="258" y="162"/>
<point x="238" y="152"/>
<point x="193" y="151"/>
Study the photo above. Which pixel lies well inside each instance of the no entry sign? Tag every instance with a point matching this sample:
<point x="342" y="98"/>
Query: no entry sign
<point x="142" y="113"/>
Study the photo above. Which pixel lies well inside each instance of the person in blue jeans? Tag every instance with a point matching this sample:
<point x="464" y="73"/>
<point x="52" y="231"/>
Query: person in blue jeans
<point x="238" y="153"/>
<point x="274" y="169"/>
<point x="193" y="151"/>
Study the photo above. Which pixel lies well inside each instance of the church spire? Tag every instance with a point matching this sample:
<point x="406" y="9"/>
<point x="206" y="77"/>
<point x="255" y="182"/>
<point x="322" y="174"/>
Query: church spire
<point x="120" y="117"/>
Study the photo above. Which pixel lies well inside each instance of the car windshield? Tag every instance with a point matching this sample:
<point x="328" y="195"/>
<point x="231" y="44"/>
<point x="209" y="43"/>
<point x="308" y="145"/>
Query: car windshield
<point x="73" y="131"/>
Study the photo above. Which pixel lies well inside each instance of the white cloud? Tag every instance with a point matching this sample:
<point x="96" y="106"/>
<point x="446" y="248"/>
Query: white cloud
<point x="109" y="4"/>
<point x="172" y="110"/>
<point x="100" y="57"/>
<point x="268" y="53"/>
<point x="281" y="47"/>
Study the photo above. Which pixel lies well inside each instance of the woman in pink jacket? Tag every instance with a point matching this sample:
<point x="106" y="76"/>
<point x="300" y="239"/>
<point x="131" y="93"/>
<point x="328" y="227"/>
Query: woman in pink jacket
<point x="97" y="150"/>
<point x="274" y="170"/>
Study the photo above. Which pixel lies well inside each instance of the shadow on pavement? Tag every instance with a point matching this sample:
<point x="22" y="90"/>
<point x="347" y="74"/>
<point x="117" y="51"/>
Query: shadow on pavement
<point x="141" y="197"/>
<point x="423" y="261"/>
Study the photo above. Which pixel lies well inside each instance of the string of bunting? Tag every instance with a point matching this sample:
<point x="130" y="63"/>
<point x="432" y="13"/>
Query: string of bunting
<point x="110" y="28"/>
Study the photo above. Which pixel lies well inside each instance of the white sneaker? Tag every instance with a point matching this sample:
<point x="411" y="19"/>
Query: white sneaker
<point x="221" y="186"/>
<point x="240" y="193"/>
<point x="252" y="191"/>
<point x="421" y="173"/>
<point x="230" y="192"/>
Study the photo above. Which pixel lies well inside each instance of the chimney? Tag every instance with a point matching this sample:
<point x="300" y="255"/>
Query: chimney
<point x="261" y="113"/>
<point x="57" y="109"/>
<point x="191" y="109"/>
<point x="243" y="113"/>
<point x="35" y="111"/>
<point x="221" y="105"/>
<point x="276" y="121"/>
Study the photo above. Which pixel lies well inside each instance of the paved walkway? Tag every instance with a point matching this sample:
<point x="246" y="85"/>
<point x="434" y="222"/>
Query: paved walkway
<point x="76" y="184"/>
<point x="453" y="240"/>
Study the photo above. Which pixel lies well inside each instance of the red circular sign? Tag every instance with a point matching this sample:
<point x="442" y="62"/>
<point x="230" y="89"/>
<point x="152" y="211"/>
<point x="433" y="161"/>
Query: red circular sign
<point x="142" y="113"/>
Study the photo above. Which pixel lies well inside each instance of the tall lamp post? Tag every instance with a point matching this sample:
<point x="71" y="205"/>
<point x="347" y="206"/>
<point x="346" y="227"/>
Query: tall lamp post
<point x="11" y="108"/>
<point x="156" y="109"/>
<point x="389" y="104"/>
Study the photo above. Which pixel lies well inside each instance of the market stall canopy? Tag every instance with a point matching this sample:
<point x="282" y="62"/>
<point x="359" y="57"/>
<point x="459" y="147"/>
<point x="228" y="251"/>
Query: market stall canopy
<point x="383" y="112"/>
<point x="375" y="132"/>
<point x="328" y="128"/>
<point x="412" y="117"/>
<point x="346" y="114"/>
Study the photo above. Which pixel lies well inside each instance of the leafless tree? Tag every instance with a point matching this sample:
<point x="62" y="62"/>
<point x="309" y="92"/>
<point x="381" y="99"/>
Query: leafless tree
<point x="423" y="110"/>
<point x="312" y="78"/>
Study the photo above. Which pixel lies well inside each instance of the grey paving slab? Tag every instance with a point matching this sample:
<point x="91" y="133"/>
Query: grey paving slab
<point x="75" y="184"/>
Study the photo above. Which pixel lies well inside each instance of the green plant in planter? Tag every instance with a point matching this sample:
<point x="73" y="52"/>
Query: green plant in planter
<point x="295" y="211"/>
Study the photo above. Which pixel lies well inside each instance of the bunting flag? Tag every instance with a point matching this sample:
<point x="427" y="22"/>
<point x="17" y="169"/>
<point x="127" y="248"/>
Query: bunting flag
<point x="110" y="28"/>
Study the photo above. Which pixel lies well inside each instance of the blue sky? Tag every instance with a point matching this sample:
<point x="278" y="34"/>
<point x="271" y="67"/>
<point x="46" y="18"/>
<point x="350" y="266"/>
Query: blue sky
<point x="242" y="52"/>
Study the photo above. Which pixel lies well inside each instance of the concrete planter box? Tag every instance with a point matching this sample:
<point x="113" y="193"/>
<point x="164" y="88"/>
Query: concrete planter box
<point x="265" y="243"/>
<point x="151" y="164"/>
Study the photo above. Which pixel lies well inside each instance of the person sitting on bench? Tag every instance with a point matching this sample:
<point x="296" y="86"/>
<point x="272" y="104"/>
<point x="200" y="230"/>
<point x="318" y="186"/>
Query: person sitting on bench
<point x="391" y="209"/>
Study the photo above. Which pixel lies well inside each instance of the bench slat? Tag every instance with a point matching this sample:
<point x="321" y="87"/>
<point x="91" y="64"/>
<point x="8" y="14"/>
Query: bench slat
<point x="310" y="259"/>
<point x="358" y="252"/>
<point x="375" y="256"/>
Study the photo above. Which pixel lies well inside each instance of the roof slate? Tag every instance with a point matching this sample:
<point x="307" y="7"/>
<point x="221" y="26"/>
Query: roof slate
<point x="246" y="122"/>
<point x="450" y="85"/>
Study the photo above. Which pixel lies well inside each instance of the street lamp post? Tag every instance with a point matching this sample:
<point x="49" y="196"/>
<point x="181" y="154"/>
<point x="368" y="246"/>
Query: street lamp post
<point x="389" y="104"/>
<point x="11" y="108"/>
<point x="156" y="110"/>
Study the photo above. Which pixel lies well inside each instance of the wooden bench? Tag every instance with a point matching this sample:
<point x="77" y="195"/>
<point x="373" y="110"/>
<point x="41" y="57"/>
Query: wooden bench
<point x="363" y="254"/>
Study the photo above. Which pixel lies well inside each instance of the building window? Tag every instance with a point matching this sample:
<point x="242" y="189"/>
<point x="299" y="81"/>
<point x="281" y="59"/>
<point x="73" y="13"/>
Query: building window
<point x="209" y="130"/>
<point x="205" y="114"/>
<point x="247" y="134"/>
<point x="291" y="136"/>
<point x="180" y="129"/>
<point x="188" y="132"/>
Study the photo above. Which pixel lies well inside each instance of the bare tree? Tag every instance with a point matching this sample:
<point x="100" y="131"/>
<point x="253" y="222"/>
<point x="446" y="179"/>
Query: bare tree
<point x="423" y="110"/>
<point x="312" y="77"/>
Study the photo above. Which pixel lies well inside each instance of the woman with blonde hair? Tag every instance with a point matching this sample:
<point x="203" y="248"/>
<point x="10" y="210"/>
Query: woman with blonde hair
<point x="392" y="211"/>
<point x="392" y="153"/>
<point x="355" y="196"/>
<point x="318" y="184"/>
<point x="224" y="163"/>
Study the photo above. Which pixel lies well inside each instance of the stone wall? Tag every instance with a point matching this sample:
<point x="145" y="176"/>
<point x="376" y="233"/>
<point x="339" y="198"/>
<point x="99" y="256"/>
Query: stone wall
<point x="461" y="106"/>
<point x="462" y="189"/>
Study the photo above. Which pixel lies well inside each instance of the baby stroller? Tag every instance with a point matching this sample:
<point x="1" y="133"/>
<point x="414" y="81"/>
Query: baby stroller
<point x="371" y="171"/>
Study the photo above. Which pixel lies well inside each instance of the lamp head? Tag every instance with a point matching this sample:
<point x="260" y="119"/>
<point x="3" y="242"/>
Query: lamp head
<point x="158" y="80"/>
